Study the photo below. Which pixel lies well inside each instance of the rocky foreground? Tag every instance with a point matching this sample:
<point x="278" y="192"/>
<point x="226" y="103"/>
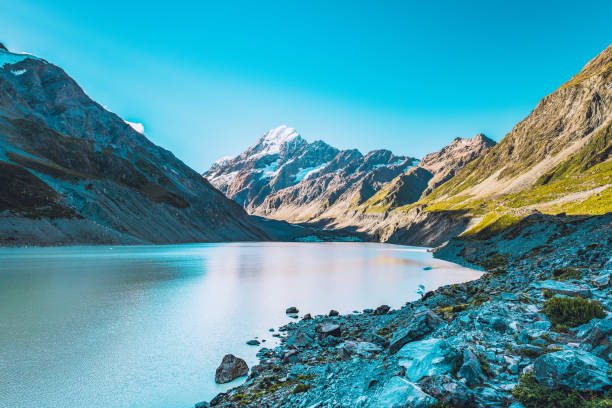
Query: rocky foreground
<point x="534" y="331"/>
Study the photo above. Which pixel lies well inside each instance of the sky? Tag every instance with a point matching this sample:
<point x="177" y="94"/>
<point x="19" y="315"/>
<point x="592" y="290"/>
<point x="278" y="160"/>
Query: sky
<point x="207" y="78"/>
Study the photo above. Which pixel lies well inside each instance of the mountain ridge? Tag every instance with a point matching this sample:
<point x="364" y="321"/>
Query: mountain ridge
<point x="107" y="182"/>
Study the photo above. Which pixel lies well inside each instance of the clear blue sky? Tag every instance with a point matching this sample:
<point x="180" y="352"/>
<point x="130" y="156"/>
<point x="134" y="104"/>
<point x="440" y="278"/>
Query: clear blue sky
<point x="208" y="77"/>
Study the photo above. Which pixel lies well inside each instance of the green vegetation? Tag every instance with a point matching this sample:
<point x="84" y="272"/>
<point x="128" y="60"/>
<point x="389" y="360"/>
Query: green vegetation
<point x="494" y="262"/>
<point x="532" y="395"/>
<point x="301" y="387"/>
<point x="570" y="312"/>
<point x="566" y="273"/>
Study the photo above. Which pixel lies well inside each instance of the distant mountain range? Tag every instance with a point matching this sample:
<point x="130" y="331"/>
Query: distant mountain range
<point x="73" y="172"/>
<point x="556" y="160"/>
<point x="283" y="176"/>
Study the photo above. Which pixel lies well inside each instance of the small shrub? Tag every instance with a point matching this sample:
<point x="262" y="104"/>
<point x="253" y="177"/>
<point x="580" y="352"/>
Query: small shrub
<point x="566" y="273"/>
<point x="571" y="312"/>
<point x="547" y="293"/>
<point x="532" y="395"/>
<point x="301" y="388"/>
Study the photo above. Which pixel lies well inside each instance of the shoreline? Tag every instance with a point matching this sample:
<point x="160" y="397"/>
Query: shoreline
<point x="480" y="339"/>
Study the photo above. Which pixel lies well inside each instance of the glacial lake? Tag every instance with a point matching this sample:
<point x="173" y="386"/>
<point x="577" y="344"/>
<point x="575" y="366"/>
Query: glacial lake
<point x="146" y="326"/>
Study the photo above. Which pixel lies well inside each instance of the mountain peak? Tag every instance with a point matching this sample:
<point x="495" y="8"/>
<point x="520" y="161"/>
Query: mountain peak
<point x="2" y="47"/>
<point x="273" y="139"/>
<point x="482" y="138"/>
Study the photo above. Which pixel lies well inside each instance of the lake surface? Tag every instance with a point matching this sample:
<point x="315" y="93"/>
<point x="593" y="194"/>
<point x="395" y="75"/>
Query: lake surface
<point x="146" y="326"/>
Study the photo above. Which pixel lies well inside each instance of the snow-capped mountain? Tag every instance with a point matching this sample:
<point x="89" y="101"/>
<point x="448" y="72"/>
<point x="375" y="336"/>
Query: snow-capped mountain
<point x="283" y="169"/>
<point x="73" y="172"/>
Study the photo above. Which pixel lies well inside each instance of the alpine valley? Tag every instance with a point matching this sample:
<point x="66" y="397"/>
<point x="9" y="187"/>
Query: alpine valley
<point x="533" y="212"/>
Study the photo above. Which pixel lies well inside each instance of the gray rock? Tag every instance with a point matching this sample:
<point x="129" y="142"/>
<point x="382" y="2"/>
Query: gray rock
<point x="360" y="348"/>
<point x="290" y="356"/>
<point x="427" y="357"/>
<point x="420" y="323"/>
<point x="299" y="339"/>
<point x="563" y="288"/>
<point x="307" y="316"/>
<point x="218" y="399"/>
<point x="448" y="390"/>
<point x="329" y="329"/>
<point x="292" y="310"/>
<point x="253" y="342"/>
<point x="398" y="392"/>
<point x="470" y="369"/>
<point x="575" y="369"/>
<point x="333" y="313"/>
<point x="382" y="309"/>
<point x="602" y="280"/>
<point x="378" y="340"/>
<point x="231" y="368"/>
<point x="499" y="324"/>
<point x="598" y="338"/>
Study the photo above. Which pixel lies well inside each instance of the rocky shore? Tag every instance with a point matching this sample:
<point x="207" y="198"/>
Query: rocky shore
<point x="534" y="331"/>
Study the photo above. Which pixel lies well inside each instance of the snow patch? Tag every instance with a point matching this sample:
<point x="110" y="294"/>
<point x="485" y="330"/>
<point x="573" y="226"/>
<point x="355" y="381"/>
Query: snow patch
<point x="270" y="170"/>
<point x="19" y="72"/>
<point x="224" y="180"/>
<point x="395" y="163"/>
<point x="137" y="126"/>
<point x="308" y="171"/>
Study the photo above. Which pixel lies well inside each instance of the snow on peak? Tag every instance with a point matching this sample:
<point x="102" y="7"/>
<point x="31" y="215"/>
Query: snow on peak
<point x="223" y="160"/>
<point x="272" y="141"/>
<point x="7" y="57"/>
<point x="139" y="127"/>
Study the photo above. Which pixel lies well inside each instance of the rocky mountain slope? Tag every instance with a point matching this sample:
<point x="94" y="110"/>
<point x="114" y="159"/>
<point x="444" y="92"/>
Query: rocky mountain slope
<point x="556" y="160"/>
<point x="73" y="172"/>
<point x="282" y="176"/>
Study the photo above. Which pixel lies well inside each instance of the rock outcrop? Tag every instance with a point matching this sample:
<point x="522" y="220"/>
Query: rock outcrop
<point x="231" y="367"/>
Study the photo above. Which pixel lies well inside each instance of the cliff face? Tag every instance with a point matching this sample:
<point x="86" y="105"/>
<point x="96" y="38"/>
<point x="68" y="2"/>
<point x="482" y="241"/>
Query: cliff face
<point x="76" y="173"/>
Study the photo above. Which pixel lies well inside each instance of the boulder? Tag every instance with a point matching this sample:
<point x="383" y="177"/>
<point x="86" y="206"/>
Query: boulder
<point x="329" y="329"/>
<point x="333" y="313"/>
<point x="448" y="390"/>
<point x="231" y="368"/>
<point x="420" y="323"/>
<point x="598" y="339"/>
<point x="253" y="342"/>
<point x="290" y="356"/>
<point x="602" y="280"/>
<point x="378" y="340"/>
<point x="427" y="357"/>
<point x="307" y="316"/>
<point x="563" y="288"/>
<point x="499" y="323"/>
<point x="359" y="348"/>
<point x="398" y="392"/>
<point x="470" y="370"/>
<point x="299" y="339"/>
<point x="382" y="309"/>
<point x="575" y="369"/>
<point x="292" y="310"/>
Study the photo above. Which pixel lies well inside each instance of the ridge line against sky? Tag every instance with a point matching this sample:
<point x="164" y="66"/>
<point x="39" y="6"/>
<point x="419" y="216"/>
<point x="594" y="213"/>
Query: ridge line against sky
<point x="207" y="79"/>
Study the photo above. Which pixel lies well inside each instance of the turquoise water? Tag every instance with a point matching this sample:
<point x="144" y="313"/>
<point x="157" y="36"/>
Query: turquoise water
<point x="146" y="326"/>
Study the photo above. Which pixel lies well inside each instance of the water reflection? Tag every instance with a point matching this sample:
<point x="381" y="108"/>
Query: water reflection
<point x="145" y="326"/>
